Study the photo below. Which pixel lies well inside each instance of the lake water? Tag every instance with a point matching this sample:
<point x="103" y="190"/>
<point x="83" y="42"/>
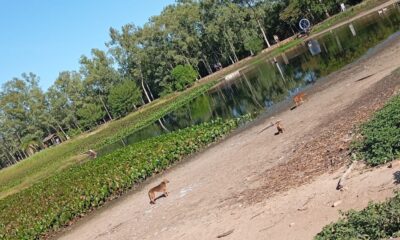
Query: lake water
<point x="261" y="85"/>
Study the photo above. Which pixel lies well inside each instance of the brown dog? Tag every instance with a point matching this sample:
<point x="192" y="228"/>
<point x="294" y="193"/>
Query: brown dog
<point x="299" y="99"/>
<point x="162" y="187"/>
<point x="279" y="127"/>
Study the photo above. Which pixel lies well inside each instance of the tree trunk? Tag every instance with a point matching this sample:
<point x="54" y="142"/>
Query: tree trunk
<point x="77" y="125"/>
<point x="232" y="48"/>
<point x="23" y="154"/>
<point x="148" y="88"/>
<point x="291" y="28"/>
<point x="20" y="142"/>
<point x="207" y="64"/>
<point x="61" y="129"/>
<point x="142" y="81"/>
<point x="231" y="59"/>
<point x="263" y="33"/>
<point x="13" y="159"/>
<point x="326" y="10"/>
<point x="105" y="107"/>
<point x="259" y="24"/>
<point x="162" y="125"/>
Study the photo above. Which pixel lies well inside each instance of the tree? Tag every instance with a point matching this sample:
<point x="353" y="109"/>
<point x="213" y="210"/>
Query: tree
<point x="99" y="76"/>
<point x="64" y="97"/>
<point x="129" y="49"/>
<point x="23" y="111"/>
<point x="124" y="97"/>
<point x="90" y="114"/>
<point x="183" y="76"/>
<point x="253" y="44"/>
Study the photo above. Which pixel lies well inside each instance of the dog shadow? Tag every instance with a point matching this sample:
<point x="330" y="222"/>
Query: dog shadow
<point x="292" y="108"/>
<point x="396" y="177"/>
<point x="155" y="199"/>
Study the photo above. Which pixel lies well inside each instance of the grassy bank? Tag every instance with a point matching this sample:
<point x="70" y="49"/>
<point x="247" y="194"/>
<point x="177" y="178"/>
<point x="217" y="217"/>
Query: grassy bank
<point x="50" y="161"/>
<point x="52" y="203"/>
<point x="379" y="143"/>
<point x="347" y="15"/>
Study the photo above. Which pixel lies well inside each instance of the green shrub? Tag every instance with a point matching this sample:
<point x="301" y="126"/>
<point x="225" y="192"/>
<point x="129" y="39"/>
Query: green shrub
<point x="90" y="114"/>
<point x="381" y="135"/>
<point x="254" y="44"/>
<point x="377" y="221"/>
<point x="124" y="97"/>
<point x="183" y="76"/>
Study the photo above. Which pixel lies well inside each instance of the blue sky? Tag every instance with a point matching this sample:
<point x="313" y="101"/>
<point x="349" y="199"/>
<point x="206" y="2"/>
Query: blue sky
<point x="49" y="36"/>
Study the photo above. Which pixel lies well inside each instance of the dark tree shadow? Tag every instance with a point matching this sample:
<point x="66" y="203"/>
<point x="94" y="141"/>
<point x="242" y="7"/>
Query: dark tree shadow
<point x="396" y="177"/>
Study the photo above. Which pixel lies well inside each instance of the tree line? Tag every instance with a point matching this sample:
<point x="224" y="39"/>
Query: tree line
<point x="188" y="40"/>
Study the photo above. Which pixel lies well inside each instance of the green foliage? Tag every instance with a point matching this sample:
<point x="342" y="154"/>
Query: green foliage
<point x="184" y="76"/>
<point x="124" y="97"/>
<point x="62" y="197"/>
<point x="377" y="221"/>
<point x="74" y="132"/>
<point x="381" y="135"/>
<point x="253" y="44"/>
<point x="90" y="114"/>
<point x="292" y="12"/>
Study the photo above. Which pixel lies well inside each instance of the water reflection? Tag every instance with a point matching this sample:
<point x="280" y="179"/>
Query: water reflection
<point x="259" y="87"/>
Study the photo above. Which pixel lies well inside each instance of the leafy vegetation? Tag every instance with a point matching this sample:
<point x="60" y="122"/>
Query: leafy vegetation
<point x="90" y="114"/>
<point x="124" y="98"/>
<point x="58" y="199"/>
<point x="377" y="221"/>
<point x="253" y="44"/>
<point x="184" y="76"/>
<point x="381" y="135"/>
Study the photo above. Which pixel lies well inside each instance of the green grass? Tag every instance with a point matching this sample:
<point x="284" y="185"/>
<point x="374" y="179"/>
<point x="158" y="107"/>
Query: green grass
<point x="286" y="46"/>
<point x="52" y="160"/>
<point x="348" y="14"/>
<point x="53" y="202"/>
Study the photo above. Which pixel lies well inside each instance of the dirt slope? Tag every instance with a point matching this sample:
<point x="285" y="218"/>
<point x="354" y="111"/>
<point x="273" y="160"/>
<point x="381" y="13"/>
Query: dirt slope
<point x="254" y="183"/>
